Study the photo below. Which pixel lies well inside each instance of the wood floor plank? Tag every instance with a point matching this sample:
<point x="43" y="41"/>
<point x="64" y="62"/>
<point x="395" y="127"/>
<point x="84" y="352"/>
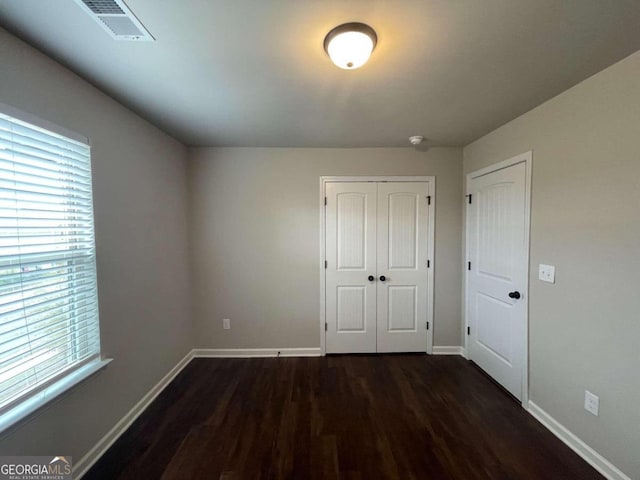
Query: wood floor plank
<point x="337" y="417"/>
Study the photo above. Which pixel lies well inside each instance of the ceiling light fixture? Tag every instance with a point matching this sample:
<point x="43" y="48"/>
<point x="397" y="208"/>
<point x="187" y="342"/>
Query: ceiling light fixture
<point x="350" y="45"/>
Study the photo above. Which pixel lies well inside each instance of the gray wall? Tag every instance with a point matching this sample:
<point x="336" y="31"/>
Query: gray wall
<point x="584" y="330"/>
<point x="139" y="177"/>
<point x="254" y="233"/>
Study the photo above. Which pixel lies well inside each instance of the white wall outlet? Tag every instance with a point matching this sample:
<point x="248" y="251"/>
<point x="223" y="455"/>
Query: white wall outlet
<point x="547" y="273"/>
<point x="226" y="323"/>
<point x="591" y="402"/>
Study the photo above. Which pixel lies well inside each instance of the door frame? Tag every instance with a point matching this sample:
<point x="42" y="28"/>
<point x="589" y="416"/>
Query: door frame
<point x="527" y="159"/>
<point x="430" y="246"/>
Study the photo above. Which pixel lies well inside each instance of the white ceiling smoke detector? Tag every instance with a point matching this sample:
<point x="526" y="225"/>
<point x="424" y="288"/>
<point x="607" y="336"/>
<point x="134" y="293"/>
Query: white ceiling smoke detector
<point x="416" y="139"/>
<point x="117" y="19"/>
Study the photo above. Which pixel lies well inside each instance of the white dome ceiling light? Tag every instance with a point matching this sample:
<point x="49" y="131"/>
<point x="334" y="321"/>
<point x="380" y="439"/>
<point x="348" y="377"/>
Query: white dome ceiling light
<point x="350" y="45"/>
<point x="416" y="139"/>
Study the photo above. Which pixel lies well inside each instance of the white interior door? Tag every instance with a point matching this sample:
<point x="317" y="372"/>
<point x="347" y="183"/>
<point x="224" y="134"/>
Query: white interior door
<point x="351" y="260"/>
<point x="403" y="221"/>
<point x="377" y="265"/>
<point x="496" y="307"/>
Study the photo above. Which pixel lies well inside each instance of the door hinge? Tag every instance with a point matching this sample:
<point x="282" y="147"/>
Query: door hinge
<point x="326" y="326"/>
<point x="468" y="330"/>
<point x="468" y="265"/>
<point x="428" y="199"/>
<point x="326" y="264"/>
<point x="428" y="263"/>
<point x="325" y="200"/>
<point x="469" y="197"/>
<point x="427" y="325"/>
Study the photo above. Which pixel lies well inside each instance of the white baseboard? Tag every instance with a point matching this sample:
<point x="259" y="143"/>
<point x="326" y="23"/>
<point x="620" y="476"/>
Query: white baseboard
<point x="256" y="352"/>
<point x="593" y="458"/>
<point x="454" y="350"/>
<point x="112" y="435"/>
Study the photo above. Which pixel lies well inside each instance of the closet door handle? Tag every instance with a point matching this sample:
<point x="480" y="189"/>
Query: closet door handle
<point x="515" y="295"/>
<point x="371" y="278"/>
<point x="382" y="278"/>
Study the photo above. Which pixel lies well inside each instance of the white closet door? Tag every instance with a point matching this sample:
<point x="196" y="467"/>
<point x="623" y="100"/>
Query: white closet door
<point x="497" y="251"/>
<point x="402" y="251"/>
<point x="351" y="260"/>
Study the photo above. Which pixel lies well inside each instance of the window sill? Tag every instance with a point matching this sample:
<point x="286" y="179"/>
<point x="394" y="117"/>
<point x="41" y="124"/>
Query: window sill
<point x="53" y="391"/>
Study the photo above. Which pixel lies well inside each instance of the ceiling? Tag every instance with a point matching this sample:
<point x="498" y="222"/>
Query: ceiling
<point x="254" y="73"/>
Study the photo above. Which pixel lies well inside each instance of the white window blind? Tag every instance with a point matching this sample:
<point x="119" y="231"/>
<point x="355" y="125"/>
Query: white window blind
<point x="48" y="291"/>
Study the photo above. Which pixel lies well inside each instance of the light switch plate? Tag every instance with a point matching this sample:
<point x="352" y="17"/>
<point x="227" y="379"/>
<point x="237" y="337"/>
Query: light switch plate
<point x="547" y="273"/>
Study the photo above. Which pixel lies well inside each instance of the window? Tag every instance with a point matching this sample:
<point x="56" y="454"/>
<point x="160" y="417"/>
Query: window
<point x="48" y="291"/>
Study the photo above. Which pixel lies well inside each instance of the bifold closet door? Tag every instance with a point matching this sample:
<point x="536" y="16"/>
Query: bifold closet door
<point x="402" y="241"/>
<point x="351" y="267"/>
<point x="376" y="273"/>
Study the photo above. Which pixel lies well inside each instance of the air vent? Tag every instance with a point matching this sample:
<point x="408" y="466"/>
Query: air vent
<point x="104" y="7"/>
<point x="116" y="18"/>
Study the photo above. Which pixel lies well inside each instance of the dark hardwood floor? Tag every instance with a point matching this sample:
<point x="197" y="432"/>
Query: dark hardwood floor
<point x="346" y="417"/>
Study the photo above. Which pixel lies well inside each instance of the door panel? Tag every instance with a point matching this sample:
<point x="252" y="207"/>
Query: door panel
<point x="495" y="243"/>
<point x="494" y="331"/>
<point x="496" y="226"/>
<point x="403" y="214"/>
<point x="403" y="220"/>
<point x="351" y="258"/>
<point x="351" y="215"/>
<point x="352" y="309"/>
<point x="403" y="309"/>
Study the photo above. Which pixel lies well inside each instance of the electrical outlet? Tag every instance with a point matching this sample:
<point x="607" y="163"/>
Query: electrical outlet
<point x="591" y="402"/>
<point x="547" y="273"/>
<point x="226" y="323"/>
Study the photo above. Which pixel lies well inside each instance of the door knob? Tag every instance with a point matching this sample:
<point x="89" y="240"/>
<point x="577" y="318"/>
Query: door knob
<point x="371" y="278"/>
<point x="382" y="278"/>
<point x="515" y="295"/>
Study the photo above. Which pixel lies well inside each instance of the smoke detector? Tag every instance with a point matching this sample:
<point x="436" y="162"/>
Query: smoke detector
<point x="416" y="139"/>
<point x="117" y="19"/>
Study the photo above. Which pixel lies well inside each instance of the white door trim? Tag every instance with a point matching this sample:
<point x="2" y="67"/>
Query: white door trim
<point x="527" y="159"/>
<point x="430" y="248"/>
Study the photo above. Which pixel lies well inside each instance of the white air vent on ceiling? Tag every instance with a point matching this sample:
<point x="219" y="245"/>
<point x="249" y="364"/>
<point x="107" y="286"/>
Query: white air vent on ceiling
<point x="116" y="18"/>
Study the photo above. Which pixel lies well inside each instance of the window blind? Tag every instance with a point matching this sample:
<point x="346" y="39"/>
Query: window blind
<point x="48" y="289"/>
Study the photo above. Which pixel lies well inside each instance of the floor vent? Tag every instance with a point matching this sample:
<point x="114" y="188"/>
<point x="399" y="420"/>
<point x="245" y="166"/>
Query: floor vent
<point x="116" y="18"/>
